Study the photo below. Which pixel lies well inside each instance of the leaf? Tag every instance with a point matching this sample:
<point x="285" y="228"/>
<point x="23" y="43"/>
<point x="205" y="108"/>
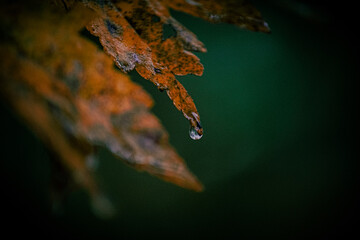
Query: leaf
<point x="237" y="12"/>
<point x="69" y="93"/>
<point x="133" y="33"/>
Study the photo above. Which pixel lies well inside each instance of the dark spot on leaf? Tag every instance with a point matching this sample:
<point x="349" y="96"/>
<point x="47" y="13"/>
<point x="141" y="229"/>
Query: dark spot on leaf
<point x="112" y="28"/>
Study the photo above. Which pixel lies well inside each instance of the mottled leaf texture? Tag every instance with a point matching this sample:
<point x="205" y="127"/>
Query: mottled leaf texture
<point x="69" y="93"/>
<point x="141" y="34"/>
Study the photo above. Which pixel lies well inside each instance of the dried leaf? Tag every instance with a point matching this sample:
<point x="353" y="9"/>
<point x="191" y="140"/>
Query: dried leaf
<point x="237" y="12"/>
<point x="67" y="90"/>
<point x="134" y="34"/>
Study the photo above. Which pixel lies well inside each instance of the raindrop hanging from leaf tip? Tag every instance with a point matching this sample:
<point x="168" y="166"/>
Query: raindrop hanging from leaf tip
<point x="195" y="133"/>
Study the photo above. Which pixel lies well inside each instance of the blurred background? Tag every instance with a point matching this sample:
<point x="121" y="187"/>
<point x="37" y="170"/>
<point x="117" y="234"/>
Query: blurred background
<point x="278" y="157"/>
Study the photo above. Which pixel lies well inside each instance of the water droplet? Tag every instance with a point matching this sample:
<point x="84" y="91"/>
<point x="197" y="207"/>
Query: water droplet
<point x="194" y="134"/>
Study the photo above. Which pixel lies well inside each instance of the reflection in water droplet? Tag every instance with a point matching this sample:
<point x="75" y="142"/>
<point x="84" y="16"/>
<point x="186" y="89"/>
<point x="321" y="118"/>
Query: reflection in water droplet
<point x="194" y="133"/>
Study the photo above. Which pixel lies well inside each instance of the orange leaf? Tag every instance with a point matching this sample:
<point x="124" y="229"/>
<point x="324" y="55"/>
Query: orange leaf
<point x="69" y="93"/>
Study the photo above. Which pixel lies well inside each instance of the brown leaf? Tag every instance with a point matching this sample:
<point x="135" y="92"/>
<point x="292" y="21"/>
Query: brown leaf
<point x="67" y="90"/>
<point x="237" y="12"/>
<point x="69" y="93"/>
<point x="127" y="28"/>
<point x="141" y="34"/>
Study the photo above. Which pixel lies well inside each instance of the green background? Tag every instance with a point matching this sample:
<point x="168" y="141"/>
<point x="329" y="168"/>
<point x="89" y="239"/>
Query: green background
<point x="277" y="157"/>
